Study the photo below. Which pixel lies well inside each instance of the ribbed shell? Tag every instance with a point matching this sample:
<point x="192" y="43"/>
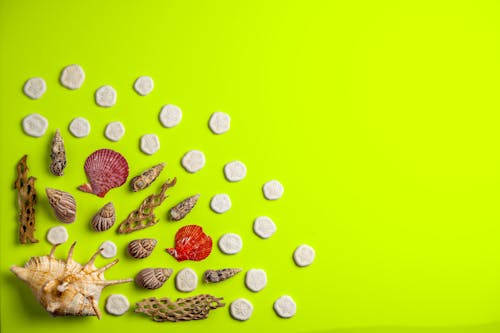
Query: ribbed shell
<point x="57" y="155"/>
<point x="146" y="178"/>
<point x="63" y="204"/>
<point x="219" y="275"/>
<point x="141" y="248"/>
<point x="191" y="243"/>
<point x="153" y="278"/>
<point x="105" y="218"/>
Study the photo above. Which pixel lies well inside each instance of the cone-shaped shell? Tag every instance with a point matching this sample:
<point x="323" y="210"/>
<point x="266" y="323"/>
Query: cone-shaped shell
<point x="63" y="204"/>
<point x="179" y="211"/>
<point x="146" y="178"/>
<point x="191" y="243"/>
<point x="57" y="155"/>
<point x="105" y="218"/>
<point x="141" y="248"/>
<point x="153" y="278"/>
<point x="219" y="275"/>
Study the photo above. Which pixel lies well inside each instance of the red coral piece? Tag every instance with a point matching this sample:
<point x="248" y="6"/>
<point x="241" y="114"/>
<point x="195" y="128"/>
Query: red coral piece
<point x="191" y="243"/>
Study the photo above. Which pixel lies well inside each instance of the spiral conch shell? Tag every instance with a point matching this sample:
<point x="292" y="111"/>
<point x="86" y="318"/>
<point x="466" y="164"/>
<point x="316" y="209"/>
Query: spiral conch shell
<point x="64" y="287"/>
<point x="105" y="218"/>
<point x="63" y="204"/>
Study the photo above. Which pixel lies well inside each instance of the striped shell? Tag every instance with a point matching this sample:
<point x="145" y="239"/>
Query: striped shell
<point x="63" y="204"/>
<point x="179" y="211"/>
<point x="105" y="218"/>
<point x="141" y="248"/>
<point x="191" y="243"/>
<point x="153" y="278"/>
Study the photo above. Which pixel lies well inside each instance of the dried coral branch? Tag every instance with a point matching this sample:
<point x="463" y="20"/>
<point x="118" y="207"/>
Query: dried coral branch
<point x="144" y="216"/>
<point x="26" y="201"/>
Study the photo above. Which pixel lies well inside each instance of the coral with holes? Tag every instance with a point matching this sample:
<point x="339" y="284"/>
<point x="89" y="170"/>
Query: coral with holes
<point x="26" y="200"/>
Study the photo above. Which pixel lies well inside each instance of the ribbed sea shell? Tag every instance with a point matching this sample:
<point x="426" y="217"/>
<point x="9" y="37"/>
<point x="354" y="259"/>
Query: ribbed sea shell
<point x="179" y="211"/>
<point x="141" y="248"/>
<point x="105" y="169"/>
<point x="191" y="243"/>
<point x="64" y="287"/>
<point x="57" y="155"/>
<point x="153" y="278"/>
<point x="146" y="178"/>
<point x="219" y="275"/>
<point x="105" y="218"/>
<point x="63" y="204"/>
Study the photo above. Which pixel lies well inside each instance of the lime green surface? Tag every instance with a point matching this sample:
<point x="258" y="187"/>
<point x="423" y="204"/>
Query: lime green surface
<point x="381" y="119"/>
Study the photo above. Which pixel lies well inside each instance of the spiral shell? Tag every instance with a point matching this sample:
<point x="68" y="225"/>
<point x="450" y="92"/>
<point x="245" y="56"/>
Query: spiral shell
<point x="153" y="278"/>
<point x="63" y="204"/>
<point x="146" y="178"/>
<point x="105" y="218"/>
<point x="141" y="248"/>
<point x="219" y="275"/>
<point x="57" y="155"/>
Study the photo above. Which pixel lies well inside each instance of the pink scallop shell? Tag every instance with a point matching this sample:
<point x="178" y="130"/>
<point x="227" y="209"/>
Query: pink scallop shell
<point x="191" y="243"/>
<point x="105" y="169"/>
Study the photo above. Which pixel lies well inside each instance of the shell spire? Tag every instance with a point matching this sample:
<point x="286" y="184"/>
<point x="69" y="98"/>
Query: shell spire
<point x="63" y="204"/>
<point x="191" y="243"/>
<point x="219" y="275"/>
<point x="57" y="155"/>
<point x="105" y="218"/>
<point x="146" y="178"/>
<point x="179" y="211"/>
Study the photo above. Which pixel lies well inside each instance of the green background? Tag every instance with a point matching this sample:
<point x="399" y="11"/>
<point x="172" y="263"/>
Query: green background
<point x="380" y="118"/>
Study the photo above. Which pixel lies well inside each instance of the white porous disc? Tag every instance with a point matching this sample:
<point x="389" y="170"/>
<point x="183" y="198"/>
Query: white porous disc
<point x="35" y="125"/>
<point x="235" y="171"/>
<point x="72" y="77"/>
<point x="108" y="249"/>
<point x="241" y="309"/>
<point x="150" y="143"/>
<point x="170" y="115"/>
<point x="256" y="279"/>
<point x="114" y="131"/>
<point x="79" y="127"/>
<point x="193" y="161"/>
<point x="105" y="96"/>
<point x="230" y="243"/>
<point x="143" y="85"/>
<point x="57" y="235"/>
<point x="117" y="304"/>
<point x="35" y="87"/>
<point x="186" y="280"/>
<point x="220" y="203"/>
<point x="273" y="190"/>
<point x="285" y="307"/>
<point x="304" y="255"/>
<point x="264" y="227"/>
<point x="219" y="122"/>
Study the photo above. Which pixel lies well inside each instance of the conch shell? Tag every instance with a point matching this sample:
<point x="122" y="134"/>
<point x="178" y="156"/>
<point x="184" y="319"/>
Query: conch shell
<point x="153" y="278"/>
<point x="63" y="204"/>
<point x="141" y="248"/>
<point x="105" y="218"/>
<point x="64" y="287"/>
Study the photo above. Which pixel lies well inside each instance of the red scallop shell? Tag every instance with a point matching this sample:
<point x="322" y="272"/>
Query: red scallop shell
<point x="191" y="243"/>
<point x="105" y="169"/>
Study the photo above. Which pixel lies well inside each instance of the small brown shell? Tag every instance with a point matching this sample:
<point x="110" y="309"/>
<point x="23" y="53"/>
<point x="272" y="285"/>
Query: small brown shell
<point x="180" y="210"/>
<point x="153" y="278"/>
<point x="105" y="218"/>
<point x="219" y="275"/>
<point x="141" y="248"/>
<point x="146" y="178"/>
<point x="57" y="155"/>
<point x="63" y="204"/>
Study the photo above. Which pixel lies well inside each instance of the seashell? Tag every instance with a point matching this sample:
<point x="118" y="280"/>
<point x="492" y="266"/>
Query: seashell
<point x="63" y="204"/>
<point x="141" y="248"/>
<point x="153" y="278"/>
<point x="191" y="243"/>
<point x="105" y="218"/>
<point x="65" y="287"/>
<point x="183" y="208"/>
<point x="57" y="155"/>
<point x="146" y="178"/>
<point x="105" y="169"/>
<point x="26" y="201"/>
<point x="219" y="275"/>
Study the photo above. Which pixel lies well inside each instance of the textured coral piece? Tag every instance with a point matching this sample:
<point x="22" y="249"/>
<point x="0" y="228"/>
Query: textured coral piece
<point x="219" y="275"/>
<point x="184" y="309"/>
<point x="57" y="155"/>
<point x="105" y="169"/>
<point x="144" y="216"/>
<point x="105" y="218"/>
<point x="179" y="211"/>
<point x="191" y="243"/>
<point x="146" y="178"/>
<point x="153" y="278"/>
<point x="63" y="204"/>
<point x="141" y="248"/>
<point x="26" y="201"/>
<point x="64" y="287"/>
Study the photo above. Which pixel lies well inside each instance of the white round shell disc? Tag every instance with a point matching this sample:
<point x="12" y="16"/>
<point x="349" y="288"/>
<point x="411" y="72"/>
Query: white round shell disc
<point x="79" y="127"/>
<point x="150" y="144"/>
<point x="170" y="115"/>
<point x="273" y="190"/>
<point x="285" y="307"/>
<point x="108" y="249"/>
<point x="241" y="309"/>
<point x="193" y="161"/>
<point x="256" y="279"/>
<point x="105" y="96"/>
<point x="143" y="85"/>
<point x="72" y="77"/>
<point x="230" y="243"/>
<point x="235" y="171"/>
<point x="57" y="235"/>
<point x="219" y="122"/>
<point x="35" y="125"/>
<point x="220" y="203"/>
<point x="264" y="227"/>
<point x="117" y="304"/>
<point x="35" y="87"/>
<point x="304" y="255"/>
<point x="114" y="131"/>
<point x="186" y="280"/>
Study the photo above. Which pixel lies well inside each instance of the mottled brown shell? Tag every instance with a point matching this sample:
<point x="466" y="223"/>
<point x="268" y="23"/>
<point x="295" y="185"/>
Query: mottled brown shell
<point x="219" y="275"/>
<point x="179" y="211"/>
<point x="105" y="218"/>
<point x="153" y="278"/>
<point x="146" y="178"/>
<point x="57" y="155"/>
<point x="26" y="201"/>
<point x="141" y="248"/>
<point x="63" y="204"/>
